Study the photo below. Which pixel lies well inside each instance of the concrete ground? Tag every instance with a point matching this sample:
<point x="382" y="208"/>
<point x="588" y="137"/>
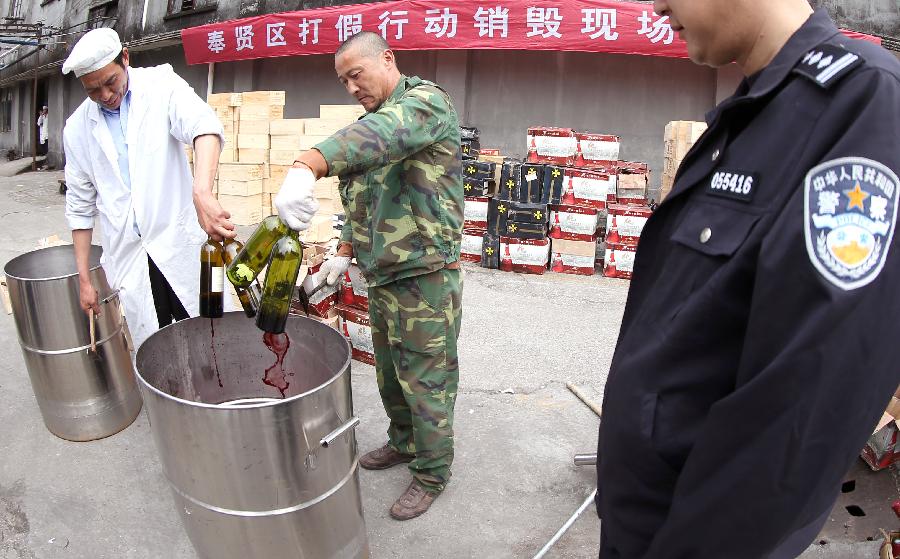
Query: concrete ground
<point x="517" y="429"/>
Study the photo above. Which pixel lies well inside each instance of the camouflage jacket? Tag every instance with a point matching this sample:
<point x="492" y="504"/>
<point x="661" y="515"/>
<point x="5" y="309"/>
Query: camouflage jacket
<point x="401" y="183"/>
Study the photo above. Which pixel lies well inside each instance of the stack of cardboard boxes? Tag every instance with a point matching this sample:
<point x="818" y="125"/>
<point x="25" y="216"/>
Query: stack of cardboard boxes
<point x="680" y="137"/>
<point x="565" y="185"/>
<point x="257" y="134"/>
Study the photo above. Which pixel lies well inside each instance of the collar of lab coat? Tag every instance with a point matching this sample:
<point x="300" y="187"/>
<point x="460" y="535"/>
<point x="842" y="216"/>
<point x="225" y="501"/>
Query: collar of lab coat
<point x="139" y="89"/>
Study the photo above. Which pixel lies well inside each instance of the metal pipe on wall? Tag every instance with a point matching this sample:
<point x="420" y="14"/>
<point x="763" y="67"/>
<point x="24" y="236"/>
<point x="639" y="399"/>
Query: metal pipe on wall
<point x="210" y="77"/>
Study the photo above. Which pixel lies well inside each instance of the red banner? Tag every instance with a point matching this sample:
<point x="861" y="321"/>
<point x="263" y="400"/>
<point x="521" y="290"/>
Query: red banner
<point x="574" y="25"/>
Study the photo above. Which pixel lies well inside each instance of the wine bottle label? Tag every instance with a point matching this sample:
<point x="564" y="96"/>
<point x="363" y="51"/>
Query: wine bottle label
<point x="218" y="280"/>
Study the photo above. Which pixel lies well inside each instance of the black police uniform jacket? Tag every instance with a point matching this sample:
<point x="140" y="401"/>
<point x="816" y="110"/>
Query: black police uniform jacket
<point x="758" y="346"/>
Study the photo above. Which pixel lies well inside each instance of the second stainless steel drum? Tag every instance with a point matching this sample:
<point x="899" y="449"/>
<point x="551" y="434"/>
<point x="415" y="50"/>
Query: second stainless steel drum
<point x="83" y="394"/>
<point x="260" y="452"/>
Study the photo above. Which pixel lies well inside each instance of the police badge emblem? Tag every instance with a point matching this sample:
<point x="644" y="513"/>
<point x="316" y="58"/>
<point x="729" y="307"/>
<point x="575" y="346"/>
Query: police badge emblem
<point x="850" y="215"/>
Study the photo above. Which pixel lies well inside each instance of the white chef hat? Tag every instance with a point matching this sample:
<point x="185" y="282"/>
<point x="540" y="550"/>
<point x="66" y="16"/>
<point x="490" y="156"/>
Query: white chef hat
<point x="95" y="50"/>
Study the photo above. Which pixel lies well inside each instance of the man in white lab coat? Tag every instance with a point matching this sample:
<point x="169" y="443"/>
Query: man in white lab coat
<point x="43" y="136"/>
<point x="126" y="165"/>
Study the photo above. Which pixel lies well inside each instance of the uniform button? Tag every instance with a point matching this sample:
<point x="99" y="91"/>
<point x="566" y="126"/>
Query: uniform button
<point x="715" y="155"/>
<point x="705" y="235"/>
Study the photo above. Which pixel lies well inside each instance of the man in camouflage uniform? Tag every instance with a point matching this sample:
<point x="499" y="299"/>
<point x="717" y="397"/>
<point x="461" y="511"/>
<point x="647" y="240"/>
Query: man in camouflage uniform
<point x="401" y="188"/>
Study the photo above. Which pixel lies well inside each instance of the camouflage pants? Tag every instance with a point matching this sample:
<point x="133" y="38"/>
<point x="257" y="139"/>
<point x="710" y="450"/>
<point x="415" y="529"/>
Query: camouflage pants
<point x="415" y="325"/>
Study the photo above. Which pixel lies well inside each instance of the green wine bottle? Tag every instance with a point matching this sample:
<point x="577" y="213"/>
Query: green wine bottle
<point x="212" y="279"/>
<point x="251" y="259"/>
<point x="248" y="296"/>
<point x="284" y="266"/>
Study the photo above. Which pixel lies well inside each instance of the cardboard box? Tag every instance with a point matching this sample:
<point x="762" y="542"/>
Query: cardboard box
<point x="490" y="251"/>
<point x="287" y="127"/>
<point x="321" y="230"/>
<point x="496" y="218"/>
<point x="680" y="136"/>
<point x="510" y="176"/>
<point x="476" y="187"/>
<point x="309" y="141"/>
<point x="531" y="183"/>
<point x="526" y="212"/>
<point x="563" y="263"/>
<point x="475" y="212"/>
<point x="618" y="262"/>
<point x="322" y="126"/>
<point x="881" y="449"/>
<point x="469" y="148"/>
<point x="354" y="290"/>
<point x="356" y="328"/>
<point x="552" y="145"/>
<point x="253" y="141"/>
<point x="242" y="171"/>
<point x="277" y="174"/>
<point x="286" y="143"/>
<point x="347" y="113"/>
<point x="527" y="256"/>
<point x="575" y="223"/>
<point x="584" y="187"/>
<point x="479" y="170"/>
<point x="632" y="186"/>
<point x="322" y="302"/>
<point x="224" y="100"/>
<point x="283" y="157"/>
<point x="554" y="179"/>
<point x="472" y="245"/>
<point x="253" y="155"/>
<point x="624" y="224"/>
<point x="261" y="112"/>
<point x="240" y="188"/>
<point x="228" y="156"/>
<point x="253" y="127"/>
<point x="596" y="150"/>
<point x="574" y="248"/>
<point x="245" y="210"/>
<point x="262" y="98"/>
<point x="327" y="187"/>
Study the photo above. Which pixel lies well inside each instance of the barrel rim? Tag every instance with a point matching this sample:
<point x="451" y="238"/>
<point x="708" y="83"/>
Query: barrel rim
<point x="9" y="275"/>
<point x="345" y="368"/>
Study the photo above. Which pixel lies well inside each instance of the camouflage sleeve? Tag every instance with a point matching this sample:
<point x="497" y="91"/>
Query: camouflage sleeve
<point x="391" y="134"/>
<point x="347" y="229"/>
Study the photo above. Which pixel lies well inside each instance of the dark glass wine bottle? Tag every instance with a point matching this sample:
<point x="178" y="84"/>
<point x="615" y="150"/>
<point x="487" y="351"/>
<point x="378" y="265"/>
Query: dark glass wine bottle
<point x="251" y="259"/>
<point x="281" y="277"/>
<point x="212" y="279"/>
<point x="248" y="296"/>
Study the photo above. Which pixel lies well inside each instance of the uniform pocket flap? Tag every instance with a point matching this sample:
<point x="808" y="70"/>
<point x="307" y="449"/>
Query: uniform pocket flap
<point x="714" y="229"/>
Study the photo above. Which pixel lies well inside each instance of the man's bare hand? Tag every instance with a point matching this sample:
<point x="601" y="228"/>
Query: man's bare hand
<point x="213" y="219"/>
<point x="89" y="298"/>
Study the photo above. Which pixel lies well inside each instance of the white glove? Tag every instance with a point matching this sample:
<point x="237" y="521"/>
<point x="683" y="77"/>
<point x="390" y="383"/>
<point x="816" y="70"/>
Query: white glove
<point x="295" y="202"/>
<point x="336" y="267"/>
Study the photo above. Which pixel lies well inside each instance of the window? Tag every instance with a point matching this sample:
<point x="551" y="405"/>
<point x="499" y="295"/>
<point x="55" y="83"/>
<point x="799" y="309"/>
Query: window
<point x="102" y="14"/>
<point x="5" y="110"/>
<point x="181" y="8"/>
<point x="15" y="8"/>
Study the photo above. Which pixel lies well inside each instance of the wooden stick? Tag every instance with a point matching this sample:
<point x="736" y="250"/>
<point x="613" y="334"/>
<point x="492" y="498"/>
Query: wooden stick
<point x="581" y="396"/>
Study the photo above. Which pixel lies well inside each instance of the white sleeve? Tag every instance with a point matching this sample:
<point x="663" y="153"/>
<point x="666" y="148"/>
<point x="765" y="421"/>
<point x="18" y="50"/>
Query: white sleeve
<point x="189" y="115"/>
<point x="81" y="194"/>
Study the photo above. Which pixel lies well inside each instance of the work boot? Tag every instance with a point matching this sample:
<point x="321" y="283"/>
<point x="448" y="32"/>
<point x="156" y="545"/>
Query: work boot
<point x="383" y="458"/>
<point x="414" y="502"/>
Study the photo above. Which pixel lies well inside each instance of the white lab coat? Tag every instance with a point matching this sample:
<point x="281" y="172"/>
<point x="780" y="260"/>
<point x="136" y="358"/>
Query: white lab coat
<point x="164" y="114"/>
<point x="42" y="129"/>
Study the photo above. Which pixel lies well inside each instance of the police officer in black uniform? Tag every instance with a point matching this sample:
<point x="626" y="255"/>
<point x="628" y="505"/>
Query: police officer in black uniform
<point x="758" y="347"/>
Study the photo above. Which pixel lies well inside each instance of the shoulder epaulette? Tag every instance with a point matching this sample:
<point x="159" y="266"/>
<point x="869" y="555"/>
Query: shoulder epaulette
<point x="827" y="64"/>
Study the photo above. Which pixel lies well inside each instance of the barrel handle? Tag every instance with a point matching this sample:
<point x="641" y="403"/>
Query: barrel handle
<point x="93" y="320"/>
<point x="110" y="297"/>
<point x="330" y="437"/>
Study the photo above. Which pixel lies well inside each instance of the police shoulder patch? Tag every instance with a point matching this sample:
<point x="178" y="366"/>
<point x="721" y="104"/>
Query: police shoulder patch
<point x="850" y="213"/>
<point x="827" y="64"/>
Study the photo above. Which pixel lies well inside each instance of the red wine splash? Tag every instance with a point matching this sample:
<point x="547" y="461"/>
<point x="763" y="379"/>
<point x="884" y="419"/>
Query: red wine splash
<point x="276" y="375"/>
<point x="212" y="345"/>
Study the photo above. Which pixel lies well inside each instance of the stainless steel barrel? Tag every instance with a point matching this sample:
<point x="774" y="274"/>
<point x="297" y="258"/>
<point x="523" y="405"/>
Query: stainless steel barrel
<point x="256" y="473"/>
<point x="82" y="395"/>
